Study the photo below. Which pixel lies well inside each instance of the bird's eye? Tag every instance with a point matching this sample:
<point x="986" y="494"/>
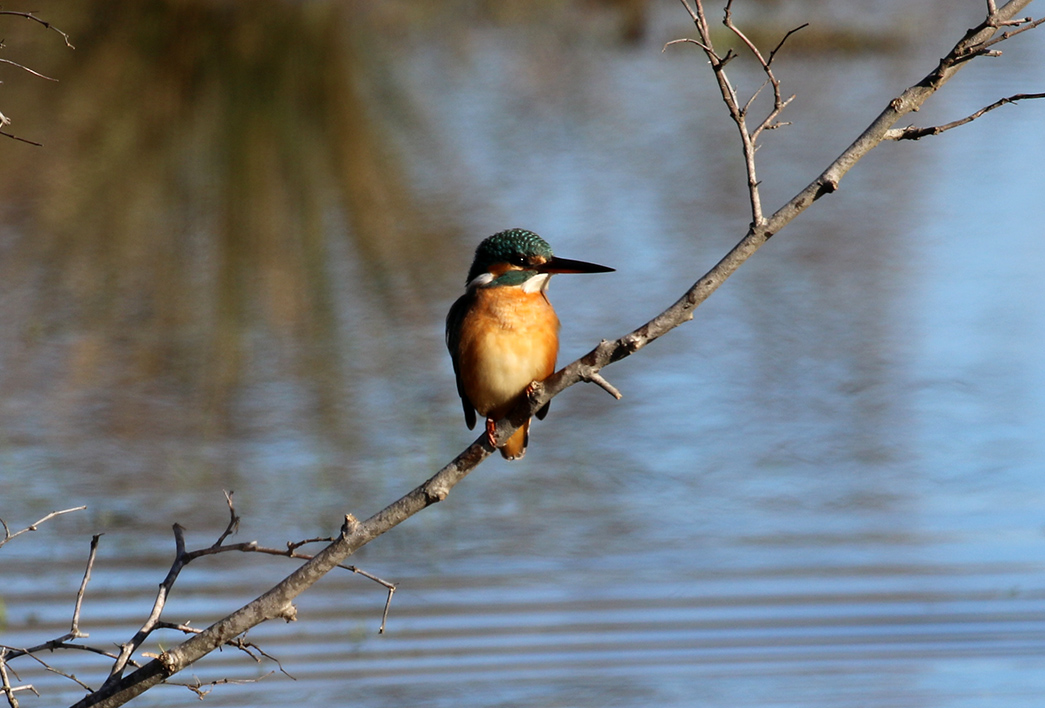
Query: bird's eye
<point x="518" y="259"/>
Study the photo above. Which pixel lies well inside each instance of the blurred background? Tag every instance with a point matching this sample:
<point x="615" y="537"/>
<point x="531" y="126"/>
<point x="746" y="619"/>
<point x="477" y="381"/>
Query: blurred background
<point x="228" y="268"/>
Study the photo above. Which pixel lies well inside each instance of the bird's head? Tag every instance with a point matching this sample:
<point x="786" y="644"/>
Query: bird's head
<point x="520" y="257"/>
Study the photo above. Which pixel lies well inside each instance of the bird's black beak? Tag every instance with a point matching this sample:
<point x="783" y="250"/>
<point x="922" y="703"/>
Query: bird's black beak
<point x="565" y="265"/>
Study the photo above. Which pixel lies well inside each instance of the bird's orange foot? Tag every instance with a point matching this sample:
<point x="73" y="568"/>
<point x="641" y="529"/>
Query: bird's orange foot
<point x="491" y="429"/>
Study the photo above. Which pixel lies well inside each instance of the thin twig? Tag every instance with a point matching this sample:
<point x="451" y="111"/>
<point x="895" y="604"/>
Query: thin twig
<point x="240" y="643"/>
<point x="688" y="40"/>
<point x="914" y="133"/>
<point x="53" y="644"/>
<point x="388" y="604"/>
<point x="6" y="687"/>
<point x="4" y="120"/>
<point x="739" y="113"/>
<point x="729" y="94"/>
<point x="32" y="16"/>
<point x="1023" y="24"/>
<point x="128" y="648"/>
<point x="605" y="385"/>
<point x="780" y="44"/>
<point x="53" y="670"/>
<point x="33" y="527"/>
<point x="233" y="525"/>
<point x="74" y="630"/>
<point x="5" y="682"/>
<point x="26" y="68"/>
<point x="21" y="140"/>
<point x="294" y="545"/>
<point x="197" y="687"/>
<point x="183" y="557"/>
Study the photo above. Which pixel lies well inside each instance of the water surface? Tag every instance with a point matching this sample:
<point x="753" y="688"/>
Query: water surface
<point x="228" y="266"/>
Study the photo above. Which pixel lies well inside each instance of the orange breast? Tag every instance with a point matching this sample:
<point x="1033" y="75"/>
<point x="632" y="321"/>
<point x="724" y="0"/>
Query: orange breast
<point x="508" y="339"/>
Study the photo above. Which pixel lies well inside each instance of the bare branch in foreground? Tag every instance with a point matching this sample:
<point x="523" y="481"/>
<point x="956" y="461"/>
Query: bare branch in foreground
<point x="154" y="623"/>
<point x="183" y="557"/>
<point x="278" y="601"/>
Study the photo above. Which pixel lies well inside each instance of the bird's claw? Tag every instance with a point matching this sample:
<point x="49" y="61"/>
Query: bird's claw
<point x="491" y="430"/>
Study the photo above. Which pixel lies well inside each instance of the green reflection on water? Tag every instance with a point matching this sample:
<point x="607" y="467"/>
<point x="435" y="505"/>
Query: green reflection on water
<point x="205" y="165"/>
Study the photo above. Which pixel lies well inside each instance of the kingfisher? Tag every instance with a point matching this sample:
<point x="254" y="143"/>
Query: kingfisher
<point x="503" y="333"/>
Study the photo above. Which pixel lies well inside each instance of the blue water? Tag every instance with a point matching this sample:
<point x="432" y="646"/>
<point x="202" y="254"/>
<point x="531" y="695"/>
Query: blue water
<point x="826" y="490"/>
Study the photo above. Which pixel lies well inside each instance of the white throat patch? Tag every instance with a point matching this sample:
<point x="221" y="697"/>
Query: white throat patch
<point x="537" y="283"/>
<point x="480" y="280"/>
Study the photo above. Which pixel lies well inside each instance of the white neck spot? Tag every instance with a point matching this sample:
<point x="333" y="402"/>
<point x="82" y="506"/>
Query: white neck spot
<point x="480" y="280"/>
<point x="537" y="283"/>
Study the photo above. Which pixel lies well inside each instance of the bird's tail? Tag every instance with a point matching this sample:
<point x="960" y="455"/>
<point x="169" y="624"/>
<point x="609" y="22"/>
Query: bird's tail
<point x="515" y="448"/>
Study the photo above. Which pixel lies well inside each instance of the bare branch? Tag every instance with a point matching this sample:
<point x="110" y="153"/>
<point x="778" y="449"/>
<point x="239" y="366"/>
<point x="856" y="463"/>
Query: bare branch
<point x="1024" y="24"/>
<point x="388" y="604"/>
<point x="727" y="20"/>
<point x="182" y="558"/>
<point x="74" y="629"/>
<point x="729" y="95"/>
<point x="198" y="689"/>
<point x="6" y="687"/>
<point x="609" y="388"/>
<point x="689" y="40"/>
<point x="780" y="44"/>
<point x="19" y="139"/>
<point x="914" y="133"/>
<point x="74" y="632"/>
<point x="59" y="643"/>
<point x="32" y="527"/>
<point x="249" y="648"/>
<point x="4" y="120"/>
<point x="53" y="670"/>
<point x="32" y="16"/>
<point x="26" y="68"/>
<point x="233" y="526"/>
<point x="739" y="113"/>
<point x="692" y="13"/>
<point x="5" y="681"/>
<point x="128" y="648"/>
